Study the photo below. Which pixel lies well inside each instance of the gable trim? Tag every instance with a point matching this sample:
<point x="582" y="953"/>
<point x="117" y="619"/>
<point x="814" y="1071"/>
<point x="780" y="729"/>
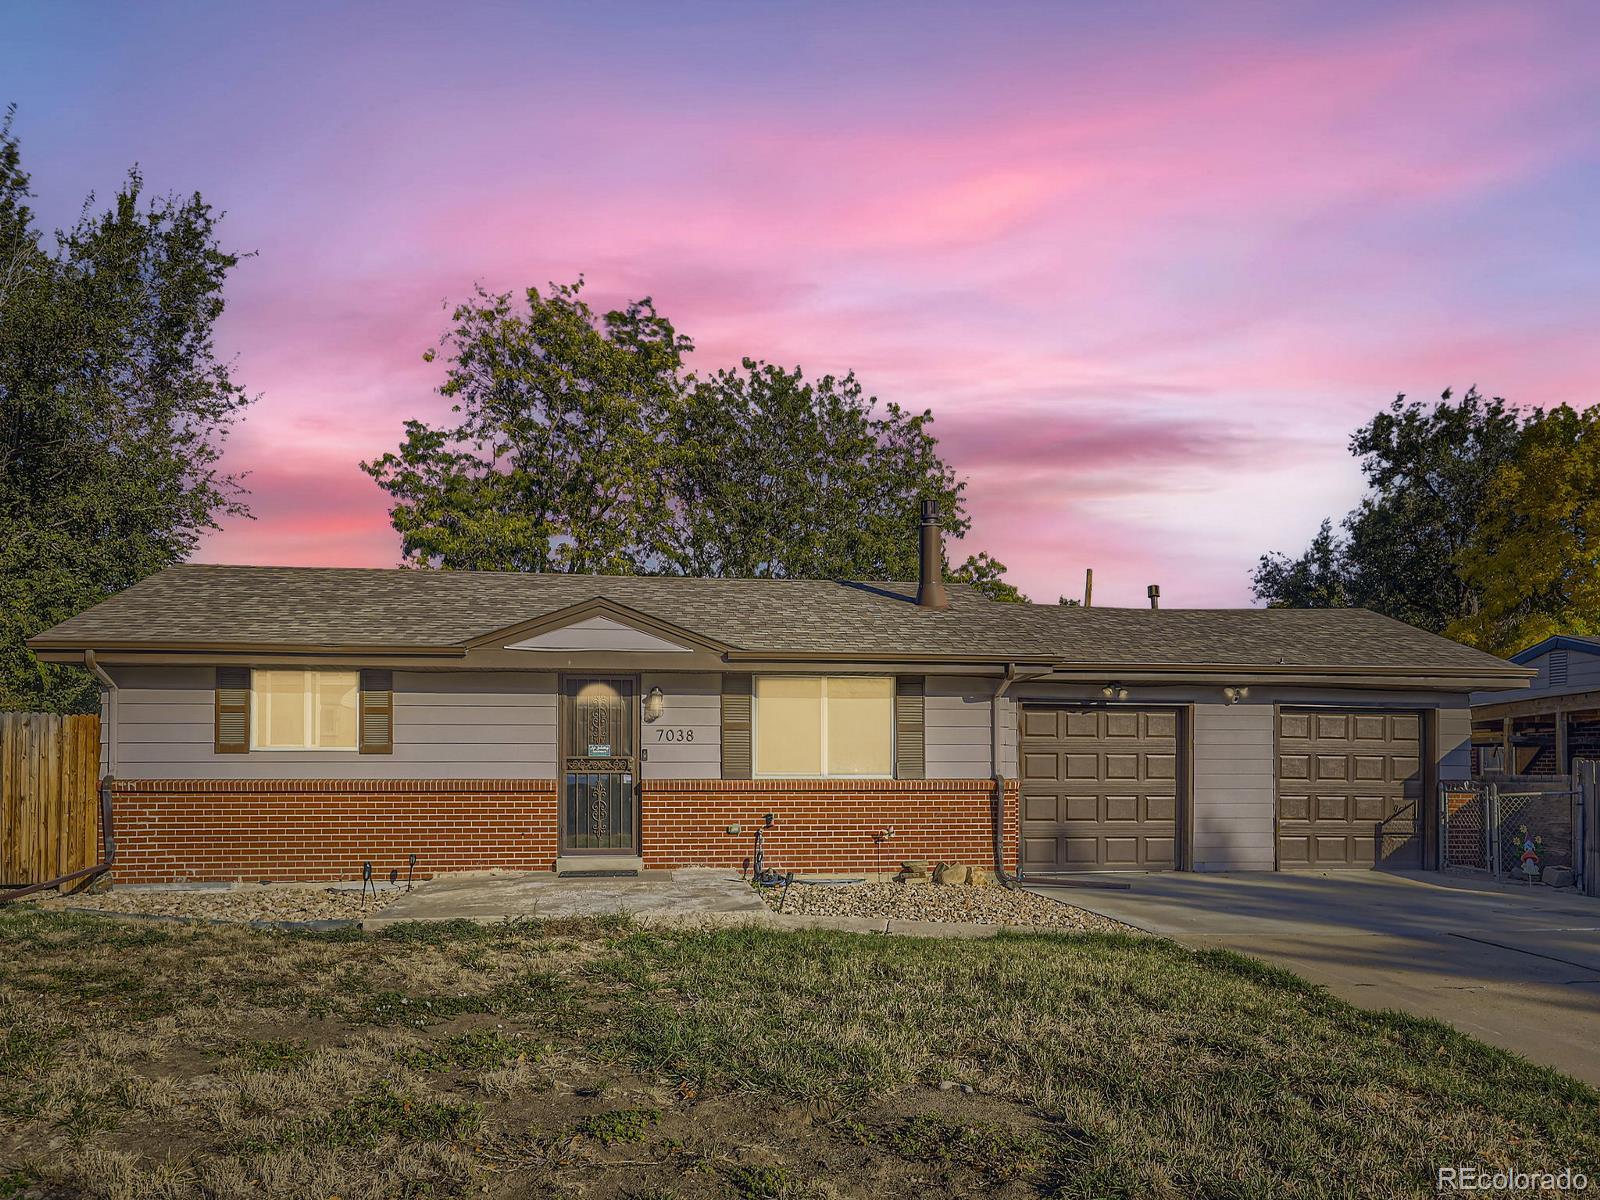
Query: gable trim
<point x="1559" y="641"/>
<point x="600" y="606"/>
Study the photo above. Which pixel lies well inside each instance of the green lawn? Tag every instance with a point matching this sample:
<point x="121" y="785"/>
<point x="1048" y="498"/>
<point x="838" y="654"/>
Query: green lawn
<point x="151" y="1059"/>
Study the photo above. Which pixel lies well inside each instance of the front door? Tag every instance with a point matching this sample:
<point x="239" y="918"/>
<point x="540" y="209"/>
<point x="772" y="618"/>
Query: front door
<point x="600" y="807"/>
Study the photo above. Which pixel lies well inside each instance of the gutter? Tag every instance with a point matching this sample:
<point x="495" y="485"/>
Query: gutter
<point x="1009" y="677"/>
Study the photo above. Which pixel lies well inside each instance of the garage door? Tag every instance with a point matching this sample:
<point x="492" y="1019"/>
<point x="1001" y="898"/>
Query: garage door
<point x="1350" y="789"/>
<point x="1099" y="789"/>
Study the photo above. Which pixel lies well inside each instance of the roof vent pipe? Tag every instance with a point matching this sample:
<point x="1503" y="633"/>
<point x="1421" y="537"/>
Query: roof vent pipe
<point x="930" y="560"/>
<point x="1154" y="592"/>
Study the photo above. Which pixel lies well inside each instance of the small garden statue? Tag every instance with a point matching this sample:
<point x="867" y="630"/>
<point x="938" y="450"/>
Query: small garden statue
<point x="1531" y="845"/>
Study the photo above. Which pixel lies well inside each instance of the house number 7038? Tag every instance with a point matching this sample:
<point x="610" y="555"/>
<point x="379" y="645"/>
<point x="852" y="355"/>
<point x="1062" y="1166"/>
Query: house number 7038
<point x="674" y="735"/>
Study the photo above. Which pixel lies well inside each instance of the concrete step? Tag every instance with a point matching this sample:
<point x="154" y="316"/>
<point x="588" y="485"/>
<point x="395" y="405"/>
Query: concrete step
<point x="598" y="865"/>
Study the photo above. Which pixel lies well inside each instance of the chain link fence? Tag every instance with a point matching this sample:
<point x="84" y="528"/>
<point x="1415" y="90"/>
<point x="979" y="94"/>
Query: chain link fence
<point x="1512" y="828"/>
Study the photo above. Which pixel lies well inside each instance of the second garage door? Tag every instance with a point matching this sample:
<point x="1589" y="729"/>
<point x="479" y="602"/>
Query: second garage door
<point x="1099" y="788"/>
<point x="1350" y="789"/>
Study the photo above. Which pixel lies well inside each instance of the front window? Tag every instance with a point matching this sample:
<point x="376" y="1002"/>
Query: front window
<point x="304" y="710"/>
<point x="813" y="725"/>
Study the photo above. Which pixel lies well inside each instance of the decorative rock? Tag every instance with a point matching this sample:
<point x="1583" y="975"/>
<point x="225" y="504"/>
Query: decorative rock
<point x="947" y="1085"/>
<point x="966" y="905"/>
<point x="1558" y="877"/>
<point x="980" y="877"/>
<point x="914" y="866"/>
<point x="951" y="874"/>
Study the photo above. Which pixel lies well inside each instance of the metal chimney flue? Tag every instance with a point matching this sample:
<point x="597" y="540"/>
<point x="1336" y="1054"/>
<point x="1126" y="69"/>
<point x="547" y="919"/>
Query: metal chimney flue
<point x="1154" y="592"/>
<point x="930" y="560"/>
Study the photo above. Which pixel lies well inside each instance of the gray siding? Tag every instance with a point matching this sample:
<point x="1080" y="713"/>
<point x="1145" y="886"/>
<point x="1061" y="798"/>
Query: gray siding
<point x="693" y="711"/>
<point x="448" y="725"/>
<point x="956" y="713"/>
<point x="599" y="633"/>
<point x="1455" y="743"/>
<point x="1234" y="787"/>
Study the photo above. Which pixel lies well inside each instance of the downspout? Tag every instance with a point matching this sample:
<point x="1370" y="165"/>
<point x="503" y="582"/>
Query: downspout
<point x="108" y="833"/>
<point x="1000" y="690"/>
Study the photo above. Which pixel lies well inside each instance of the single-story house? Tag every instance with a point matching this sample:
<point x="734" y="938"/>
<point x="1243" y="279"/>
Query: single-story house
<point x="294" y="723"/>
<point x="1545" y="728"/>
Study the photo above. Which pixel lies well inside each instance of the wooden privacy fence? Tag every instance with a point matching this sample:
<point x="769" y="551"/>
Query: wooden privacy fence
<point x="49" y="796"/>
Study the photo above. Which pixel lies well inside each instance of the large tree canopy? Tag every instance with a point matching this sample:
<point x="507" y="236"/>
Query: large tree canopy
<point x="580" y="443"/>
<point x="1536" y="560"/>
<point x="113" y="409"/>
<point x="1429" y="470"/>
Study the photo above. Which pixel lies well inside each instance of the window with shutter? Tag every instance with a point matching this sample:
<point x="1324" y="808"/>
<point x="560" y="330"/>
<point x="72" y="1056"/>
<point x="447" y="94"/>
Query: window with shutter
<point x="909" y="723"/>
<point x="736" y="727"/>
<point x="231" y="724"/>
<point x="377" y="712"/>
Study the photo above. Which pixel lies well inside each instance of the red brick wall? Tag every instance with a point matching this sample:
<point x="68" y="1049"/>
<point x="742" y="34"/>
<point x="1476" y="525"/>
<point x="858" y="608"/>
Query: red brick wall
<point x="823" y="826"/>
<point x="227" y="830"/>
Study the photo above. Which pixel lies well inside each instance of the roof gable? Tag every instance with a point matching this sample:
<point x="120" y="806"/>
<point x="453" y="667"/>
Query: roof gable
<point x="598" y="625"/>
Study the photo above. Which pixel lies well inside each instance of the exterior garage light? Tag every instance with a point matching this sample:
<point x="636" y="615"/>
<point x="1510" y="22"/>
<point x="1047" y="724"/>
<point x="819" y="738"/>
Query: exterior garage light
<point x="655" y="703"/>
<point x="1114" y="691"/>
<point x="1235" y="694"/>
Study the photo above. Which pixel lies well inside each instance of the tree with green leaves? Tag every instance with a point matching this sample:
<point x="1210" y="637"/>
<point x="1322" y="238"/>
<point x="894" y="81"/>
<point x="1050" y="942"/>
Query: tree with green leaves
<point x="1429" y="470"/>
<point x="113" y="411"/>
<point x="554" y="461"/>
<point x="1535" y="560"/>
<point x="580" y="443"/>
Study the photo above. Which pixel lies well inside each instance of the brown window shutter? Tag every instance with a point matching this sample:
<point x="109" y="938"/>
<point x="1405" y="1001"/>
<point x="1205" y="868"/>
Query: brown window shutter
<point x="736" y="727"/>
<point x="910" y="757"/>
<point x="377" y="712"/>
<point x="231" y="726"/>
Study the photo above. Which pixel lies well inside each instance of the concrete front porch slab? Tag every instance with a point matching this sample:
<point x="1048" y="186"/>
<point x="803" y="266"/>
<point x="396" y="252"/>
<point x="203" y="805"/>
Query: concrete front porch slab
<point x="683" y="895"/>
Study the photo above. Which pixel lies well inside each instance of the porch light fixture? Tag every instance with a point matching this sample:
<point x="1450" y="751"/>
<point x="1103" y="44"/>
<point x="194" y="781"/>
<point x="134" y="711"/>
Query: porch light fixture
<point x="655" y="703"/>
<point x="1235" y="694"/>
<point x="1114" y="691"/>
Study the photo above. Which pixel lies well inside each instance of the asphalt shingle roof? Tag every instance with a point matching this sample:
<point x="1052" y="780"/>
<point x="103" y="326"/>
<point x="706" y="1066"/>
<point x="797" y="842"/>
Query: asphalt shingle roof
<point x="263" y="607"/>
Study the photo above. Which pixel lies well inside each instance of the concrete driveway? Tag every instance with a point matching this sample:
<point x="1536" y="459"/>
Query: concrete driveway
<point x="1518" y="967"/>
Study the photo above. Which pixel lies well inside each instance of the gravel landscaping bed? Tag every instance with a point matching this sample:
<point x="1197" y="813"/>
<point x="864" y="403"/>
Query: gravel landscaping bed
<point x="270" y="902"/>
<point x="931" y="902"/>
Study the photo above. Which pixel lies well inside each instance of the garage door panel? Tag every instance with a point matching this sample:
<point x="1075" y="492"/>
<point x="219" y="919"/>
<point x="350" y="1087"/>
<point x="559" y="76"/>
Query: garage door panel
<point x="1332" y="766"/>
<point x="1372" y="727"/>
<point x="1160" y="725"/>
<point x="1122" y="766"/>
<point x="1082" y="725"/>
<point x="1332" y="728"/>
<point x="1122" y="724"/>
<point x="1038" y="723"/>
<point x="1041" y="767"/>
<point x="1081" y="851"/>
<point x="1041" y="808"/>
<point x="1359" y="806"/>
<point x="1082" y="808"/>
<point x="1113" y="804"/>
<point x="1370" y="766"/>
<point x="1294" y="849"/>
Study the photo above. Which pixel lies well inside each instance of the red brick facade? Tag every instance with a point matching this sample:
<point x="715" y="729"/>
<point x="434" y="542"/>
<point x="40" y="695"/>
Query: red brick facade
<point x="229" y="830"/>
<point x="823" y="826"/>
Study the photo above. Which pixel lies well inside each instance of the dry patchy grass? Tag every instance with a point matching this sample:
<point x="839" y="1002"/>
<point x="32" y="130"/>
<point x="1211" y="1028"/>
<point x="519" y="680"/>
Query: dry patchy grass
<point x="147" y="1060"/>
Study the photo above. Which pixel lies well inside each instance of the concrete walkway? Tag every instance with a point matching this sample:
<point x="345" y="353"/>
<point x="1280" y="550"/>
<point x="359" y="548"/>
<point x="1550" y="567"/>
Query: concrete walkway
<point x="652" y="895"/>
<point x="1515" y="966"/>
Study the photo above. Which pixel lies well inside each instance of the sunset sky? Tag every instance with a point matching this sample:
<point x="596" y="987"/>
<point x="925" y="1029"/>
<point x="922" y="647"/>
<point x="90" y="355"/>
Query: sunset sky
<point x="1148" y="264"/>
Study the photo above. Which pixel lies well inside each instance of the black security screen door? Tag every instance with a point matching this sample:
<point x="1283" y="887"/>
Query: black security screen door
<point x="598" y="749"/>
